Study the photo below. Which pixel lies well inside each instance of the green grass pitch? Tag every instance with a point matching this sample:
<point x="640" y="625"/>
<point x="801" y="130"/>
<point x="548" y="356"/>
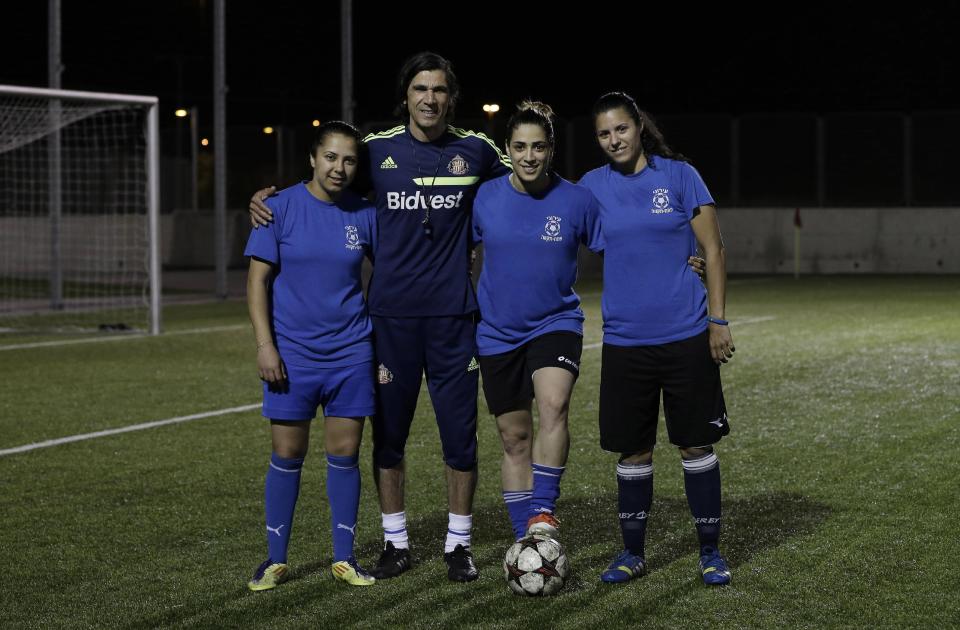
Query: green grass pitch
<point x="840" y="482"/>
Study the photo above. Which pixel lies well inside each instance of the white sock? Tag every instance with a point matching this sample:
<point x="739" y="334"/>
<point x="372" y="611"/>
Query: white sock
<point x="395" y="529"/>
<point x="458" y="531"/>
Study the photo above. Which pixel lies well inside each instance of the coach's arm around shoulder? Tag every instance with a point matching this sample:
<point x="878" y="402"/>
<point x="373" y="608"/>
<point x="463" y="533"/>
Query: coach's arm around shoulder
<point x="260" y="214"/>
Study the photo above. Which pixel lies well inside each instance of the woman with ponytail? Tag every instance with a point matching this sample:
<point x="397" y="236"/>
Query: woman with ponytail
<point x="530" y="336"/>
<point x="664" y="333"/>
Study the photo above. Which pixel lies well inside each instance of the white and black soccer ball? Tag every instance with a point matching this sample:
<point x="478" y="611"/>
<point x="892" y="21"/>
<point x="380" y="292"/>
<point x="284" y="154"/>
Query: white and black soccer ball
<point x="535" y="565"/>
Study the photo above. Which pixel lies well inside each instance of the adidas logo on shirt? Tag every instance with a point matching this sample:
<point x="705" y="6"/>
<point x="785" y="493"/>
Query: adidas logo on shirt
<point x="388" y="163"/>
<point x="473" y="365"/>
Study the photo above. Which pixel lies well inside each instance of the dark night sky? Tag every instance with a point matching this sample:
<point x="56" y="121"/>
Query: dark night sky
<point x="283" y="57"/>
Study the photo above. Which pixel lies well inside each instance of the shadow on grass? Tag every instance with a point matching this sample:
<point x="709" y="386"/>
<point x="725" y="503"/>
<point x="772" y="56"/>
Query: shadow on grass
<point x="752" y="524"/>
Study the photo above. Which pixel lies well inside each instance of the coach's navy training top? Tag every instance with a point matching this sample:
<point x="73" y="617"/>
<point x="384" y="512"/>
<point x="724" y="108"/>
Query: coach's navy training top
<point x="417" y="274"/>
<point x="317" y="248"/>
<point x="651" y="295"/>
<point x="530" y="246"/>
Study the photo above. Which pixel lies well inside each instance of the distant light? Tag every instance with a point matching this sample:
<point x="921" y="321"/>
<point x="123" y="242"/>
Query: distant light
<point x="180" y="113"/>
<point x="204" y="142"/>
<point x="491" y="108"/>
<point x="268" y="130"/>
<point x="316" y="123"/>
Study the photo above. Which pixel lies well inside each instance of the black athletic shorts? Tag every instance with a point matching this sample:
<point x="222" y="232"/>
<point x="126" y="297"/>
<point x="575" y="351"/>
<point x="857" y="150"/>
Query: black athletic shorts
<point x="508" y="377"/>
<point x="631" y="379"/>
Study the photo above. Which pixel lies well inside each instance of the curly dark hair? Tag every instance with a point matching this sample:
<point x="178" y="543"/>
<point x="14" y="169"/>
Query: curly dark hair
<point x="533" y="113"/>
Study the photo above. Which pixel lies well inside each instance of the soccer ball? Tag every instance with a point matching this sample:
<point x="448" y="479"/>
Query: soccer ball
<point x="535" y="565"/>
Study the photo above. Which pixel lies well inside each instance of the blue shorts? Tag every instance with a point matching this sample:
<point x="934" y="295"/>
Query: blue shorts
<point x="344" y="392"/>
<point x="443" y="348"/>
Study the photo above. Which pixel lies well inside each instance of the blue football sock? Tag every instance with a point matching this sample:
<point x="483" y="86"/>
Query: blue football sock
<point x="343" y="492"/>
<point x="701" y="478"/>
<point x="546" y="488"/>
<point x="634" y="498"/>
<point x="280" y="498"/>
<point x="518" y="506"/>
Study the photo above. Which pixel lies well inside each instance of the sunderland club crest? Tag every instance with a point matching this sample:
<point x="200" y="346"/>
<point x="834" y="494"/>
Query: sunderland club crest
<point x="458" y="165"/>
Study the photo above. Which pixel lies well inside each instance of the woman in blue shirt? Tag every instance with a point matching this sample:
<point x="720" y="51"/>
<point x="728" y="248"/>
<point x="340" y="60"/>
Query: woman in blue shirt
<point x="531" y="223"/>
<point x="314" y="346"/>
<point x="663" y="331"/>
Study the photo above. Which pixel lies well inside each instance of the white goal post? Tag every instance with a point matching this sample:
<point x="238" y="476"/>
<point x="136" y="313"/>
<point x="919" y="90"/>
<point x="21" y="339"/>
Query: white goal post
<point x="79" y="211"/>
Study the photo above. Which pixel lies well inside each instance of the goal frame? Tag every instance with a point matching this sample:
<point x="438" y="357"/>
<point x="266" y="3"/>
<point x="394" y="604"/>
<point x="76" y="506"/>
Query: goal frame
<point x="152" y="135"/>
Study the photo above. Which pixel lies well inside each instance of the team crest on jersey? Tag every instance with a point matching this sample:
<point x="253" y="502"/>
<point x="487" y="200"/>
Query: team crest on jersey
<point x="661" y="201"/>
<point x="384" y="375"/>
<point x="458" y="165"/>
<point x="353" y="237"/>
<point x="551" y="231"/>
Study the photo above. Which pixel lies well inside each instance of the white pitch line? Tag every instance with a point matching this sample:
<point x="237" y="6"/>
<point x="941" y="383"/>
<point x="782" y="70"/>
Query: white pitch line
<point x="753" y="320"/>
<point x="740" y="322"/>
<point x="208" y="414"/>
<point x="71" y="342"/>
<point x="126" y="429"/>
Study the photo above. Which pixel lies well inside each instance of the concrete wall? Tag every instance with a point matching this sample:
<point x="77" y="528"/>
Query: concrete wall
<point x="102" y="245"/>
<point x="835" y="240"/>
<point x="842" y="240"/>
<point x="757" y="240"/>
<point x="187" y="238"/>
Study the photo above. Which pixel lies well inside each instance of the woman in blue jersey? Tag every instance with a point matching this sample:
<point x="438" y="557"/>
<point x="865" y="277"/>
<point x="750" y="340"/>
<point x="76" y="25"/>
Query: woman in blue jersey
<point x="531" y="223"/>
<point x="314" y="346"/>
<point x="663" y="332"/>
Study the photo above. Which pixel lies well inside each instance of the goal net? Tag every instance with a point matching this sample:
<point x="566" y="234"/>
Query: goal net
<point x="79" y="220"/>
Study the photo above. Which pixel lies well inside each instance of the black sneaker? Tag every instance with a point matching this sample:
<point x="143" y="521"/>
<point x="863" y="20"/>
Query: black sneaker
<point x="460" y="566"/>
<point x="392" y="562"/>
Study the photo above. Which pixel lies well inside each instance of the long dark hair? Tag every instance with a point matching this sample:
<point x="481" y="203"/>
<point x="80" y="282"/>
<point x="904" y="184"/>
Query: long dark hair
<point x="420" y="62"/>
<point x="651" y="139"/>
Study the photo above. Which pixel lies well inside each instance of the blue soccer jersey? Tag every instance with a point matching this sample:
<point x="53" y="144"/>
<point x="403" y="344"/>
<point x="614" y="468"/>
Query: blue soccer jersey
<point x="419" y="274"/>
<point x="530" y="246"/>
<point x="317" y="249"/>
<point x="651" y="296"/>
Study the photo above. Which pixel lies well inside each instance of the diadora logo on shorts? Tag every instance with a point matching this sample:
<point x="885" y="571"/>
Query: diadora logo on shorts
<point x="719" y="421"/>
<point x="661" y="201"/>
<point x="473" y="365"/>
<point x="384" y="375"/>
<point x="353" y="237"/>
<point x="458" y="165"/>
<point x="570" y="362"/>
<point x="551" y="231"/>
<point x="416" y="201"/>
<point x="388" y="163"/>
